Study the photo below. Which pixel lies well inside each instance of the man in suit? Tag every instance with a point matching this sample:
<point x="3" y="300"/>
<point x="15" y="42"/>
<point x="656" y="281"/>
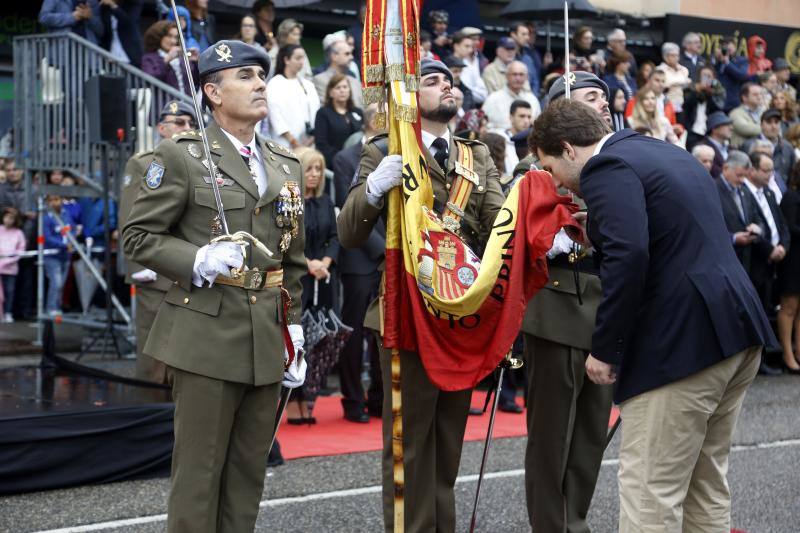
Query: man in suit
<point x="222" y="329"/>
<point x="718" y="134"/>
<point x="176" y="117"/>
<point x="567" y="413"/>
<point x="360" y="280"/>
<point x="433" y="420"/>
<point x="679" y="328"/>
<point x="771" y="247"/>
<point x="738" y="207"/>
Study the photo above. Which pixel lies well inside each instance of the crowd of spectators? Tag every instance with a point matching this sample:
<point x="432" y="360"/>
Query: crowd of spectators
<point x="732" y="107"/>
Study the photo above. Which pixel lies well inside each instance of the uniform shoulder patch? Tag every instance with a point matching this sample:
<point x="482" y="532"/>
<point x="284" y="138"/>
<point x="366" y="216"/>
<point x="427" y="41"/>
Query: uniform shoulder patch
<point x="281" y="150"/>
<point x="188" y="135"/>
<point x="155" y="172"/>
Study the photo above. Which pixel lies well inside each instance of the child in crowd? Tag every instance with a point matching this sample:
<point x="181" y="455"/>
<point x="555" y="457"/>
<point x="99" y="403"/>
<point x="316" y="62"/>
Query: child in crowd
<point x="12" y="241"/>
<point x="56" y="264"/>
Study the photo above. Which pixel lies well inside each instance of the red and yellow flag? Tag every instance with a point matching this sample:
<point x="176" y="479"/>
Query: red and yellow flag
<point x="461" y="313"/>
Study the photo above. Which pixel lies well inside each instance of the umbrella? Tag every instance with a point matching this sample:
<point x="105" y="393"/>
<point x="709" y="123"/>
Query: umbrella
<point x="546" y="9"/>
<point x="278" y="3"/>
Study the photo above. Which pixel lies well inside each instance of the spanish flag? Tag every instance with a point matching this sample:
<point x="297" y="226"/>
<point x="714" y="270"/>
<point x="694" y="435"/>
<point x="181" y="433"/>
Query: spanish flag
<point x="461" y="313"/>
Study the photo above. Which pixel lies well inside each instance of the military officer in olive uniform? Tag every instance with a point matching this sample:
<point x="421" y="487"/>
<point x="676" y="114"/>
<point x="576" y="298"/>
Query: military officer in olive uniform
<point x="220" y="329"/>
<point x="567" y="413"/>
<point x="433" y="420"/>
<point x="176" y="117"/>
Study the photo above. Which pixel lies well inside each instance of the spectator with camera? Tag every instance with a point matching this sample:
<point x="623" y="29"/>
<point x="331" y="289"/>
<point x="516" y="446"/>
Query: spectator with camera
<point x="81" y="17"/>
<point x="731" y="71"/>
<point x="162" y="56"/>
<point x="700" y="100"/>
<point x="442" y="45"/>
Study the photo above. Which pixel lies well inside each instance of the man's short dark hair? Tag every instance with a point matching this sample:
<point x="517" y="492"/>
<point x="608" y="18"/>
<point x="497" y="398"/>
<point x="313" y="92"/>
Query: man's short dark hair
<point x="756" y="157"/>
<point x="459" y="36"/>
<point x="566" y="121"/>
<point x="514" y="27"/>
<point x="516" y="104"/>
<point x="258" y="5"/>
<point x="212" y="77"/>
<point x="744" y="90"/>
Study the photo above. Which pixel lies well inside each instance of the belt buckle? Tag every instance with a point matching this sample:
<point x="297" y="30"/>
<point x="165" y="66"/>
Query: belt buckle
<point x="254" y="279"/>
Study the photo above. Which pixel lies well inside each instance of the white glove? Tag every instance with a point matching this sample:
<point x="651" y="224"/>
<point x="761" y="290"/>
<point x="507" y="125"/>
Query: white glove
<point x="562" y="244"/>
<point x="295" y="375"/>
<point x="298" y="340"/>
<point x="215" y="259"/>
<point x="383" y="179"/>
<point x="144" y="276"/>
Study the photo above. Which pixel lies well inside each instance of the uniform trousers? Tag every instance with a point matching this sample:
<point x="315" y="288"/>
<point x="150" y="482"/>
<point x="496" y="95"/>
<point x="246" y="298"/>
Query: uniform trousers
<point x="358" y="291"/>
<point x="433" y="434"/>
<point x="147" y="302"/>
<point x="219" y="461"/>
<point x="567" y="429"/>
<point x="676" y="440"/>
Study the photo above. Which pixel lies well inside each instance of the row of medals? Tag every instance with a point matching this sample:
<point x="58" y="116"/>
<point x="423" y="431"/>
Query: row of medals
<point x="289" y="204"/>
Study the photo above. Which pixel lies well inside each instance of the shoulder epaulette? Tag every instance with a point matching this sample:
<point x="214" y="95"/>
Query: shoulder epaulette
<point x="143" y="153"/>
<point x="281" y="150"/>
<point x="188" y="135"/>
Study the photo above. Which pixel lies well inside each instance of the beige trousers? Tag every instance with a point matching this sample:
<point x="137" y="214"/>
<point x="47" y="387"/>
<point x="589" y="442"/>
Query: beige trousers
<point x="676" y="439"/>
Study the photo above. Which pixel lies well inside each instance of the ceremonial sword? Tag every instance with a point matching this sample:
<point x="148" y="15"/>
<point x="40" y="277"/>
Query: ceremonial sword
<point x="240" y="237"/>
<point x="507" y="362"/>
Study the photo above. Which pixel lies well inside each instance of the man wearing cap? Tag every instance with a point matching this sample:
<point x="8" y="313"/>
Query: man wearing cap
<point x="433" y="420"/>
<point x="719" y="129"/>
<point x="782" y="151"/>
<point x="567" y="414"/>
<point x="494" y="75"/>
<point x="176" y="116"/>
<point x="781" y="69"/>
<point x="224" y="324"/>
<point x="456" y="67"/>
<point x="498" y="104"/>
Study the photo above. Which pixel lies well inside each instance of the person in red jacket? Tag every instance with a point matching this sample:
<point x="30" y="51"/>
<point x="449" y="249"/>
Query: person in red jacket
<point x="757" y="56"/>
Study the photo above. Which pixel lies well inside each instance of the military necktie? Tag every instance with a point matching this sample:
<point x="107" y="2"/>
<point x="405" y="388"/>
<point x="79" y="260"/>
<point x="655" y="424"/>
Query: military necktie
<point x="441" y="153"/>
<point x="247" y="156"/>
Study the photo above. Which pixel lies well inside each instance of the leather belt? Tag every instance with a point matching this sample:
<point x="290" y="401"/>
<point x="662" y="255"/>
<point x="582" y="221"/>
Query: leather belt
<point x="253" y="279"/>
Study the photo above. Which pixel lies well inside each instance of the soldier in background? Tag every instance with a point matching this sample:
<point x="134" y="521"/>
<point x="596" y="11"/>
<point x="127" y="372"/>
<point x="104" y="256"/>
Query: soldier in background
<point x="176" y="117"/>
<point x="567" y="413"/>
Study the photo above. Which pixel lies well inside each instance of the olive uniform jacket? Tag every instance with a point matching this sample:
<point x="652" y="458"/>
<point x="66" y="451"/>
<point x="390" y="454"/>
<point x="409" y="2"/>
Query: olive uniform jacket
<point x="222" y="332"/>
<point x="135" y="170"/>
<point x="555" y="313"/>
<point x="358" y="216"/>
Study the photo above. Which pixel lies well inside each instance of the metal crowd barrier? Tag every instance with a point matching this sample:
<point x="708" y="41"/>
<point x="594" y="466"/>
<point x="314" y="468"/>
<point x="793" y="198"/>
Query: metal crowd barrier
<point x="51" y="126"/>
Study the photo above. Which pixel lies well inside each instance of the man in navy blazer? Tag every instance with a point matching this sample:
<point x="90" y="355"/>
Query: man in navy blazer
<point x="680" y="328"/>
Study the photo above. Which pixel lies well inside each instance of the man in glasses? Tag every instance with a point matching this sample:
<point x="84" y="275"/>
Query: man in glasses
<point x="175" y="117"/>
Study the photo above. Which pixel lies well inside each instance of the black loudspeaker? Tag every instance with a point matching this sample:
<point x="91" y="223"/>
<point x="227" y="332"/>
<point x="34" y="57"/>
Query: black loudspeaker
<point x="105" y="99"/>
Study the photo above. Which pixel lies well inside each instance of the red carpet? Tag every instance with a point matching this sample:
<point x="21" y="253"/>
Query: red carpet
<point x="333" y="435"/>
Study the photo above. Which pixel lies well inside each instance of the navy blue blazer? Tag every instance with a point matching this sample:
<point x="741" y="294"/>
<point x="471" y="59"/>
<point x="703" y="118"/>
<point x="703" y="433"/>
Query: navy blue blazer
<point x="675" y="299"/>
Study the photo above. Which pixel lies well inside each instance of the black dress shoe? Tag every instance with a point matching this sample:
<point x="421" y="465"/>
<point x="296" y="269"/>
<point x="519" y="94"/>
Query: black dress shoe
<point x="788" y="370"/>
<point x="296" y="421"/>
<point x="375" y="412"/>
<point x="765" y="370"/>
<point x="510" y="408"/>
<point x="275" y="458"/>
<point x="475" y="411"/>
<point x="359" y="417"/>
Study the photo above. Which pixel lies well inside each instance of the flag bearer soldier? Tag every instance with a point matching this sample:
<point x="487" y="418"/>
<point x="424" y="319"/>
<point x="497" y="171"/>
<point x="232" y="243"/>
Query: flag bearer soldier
<point x="221" y="327"/>
<point x="567" y="413"/>
<point x="176" y="117"/>
<point x="433" y="420"/>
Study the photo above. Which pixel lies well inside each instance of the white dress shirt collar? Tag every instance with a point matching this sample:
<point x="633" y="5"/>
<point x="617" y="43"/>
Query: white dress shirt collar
<point x="601" y="143"/>
<point x="428" y="138"/>
<point x="260" y="176"/>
